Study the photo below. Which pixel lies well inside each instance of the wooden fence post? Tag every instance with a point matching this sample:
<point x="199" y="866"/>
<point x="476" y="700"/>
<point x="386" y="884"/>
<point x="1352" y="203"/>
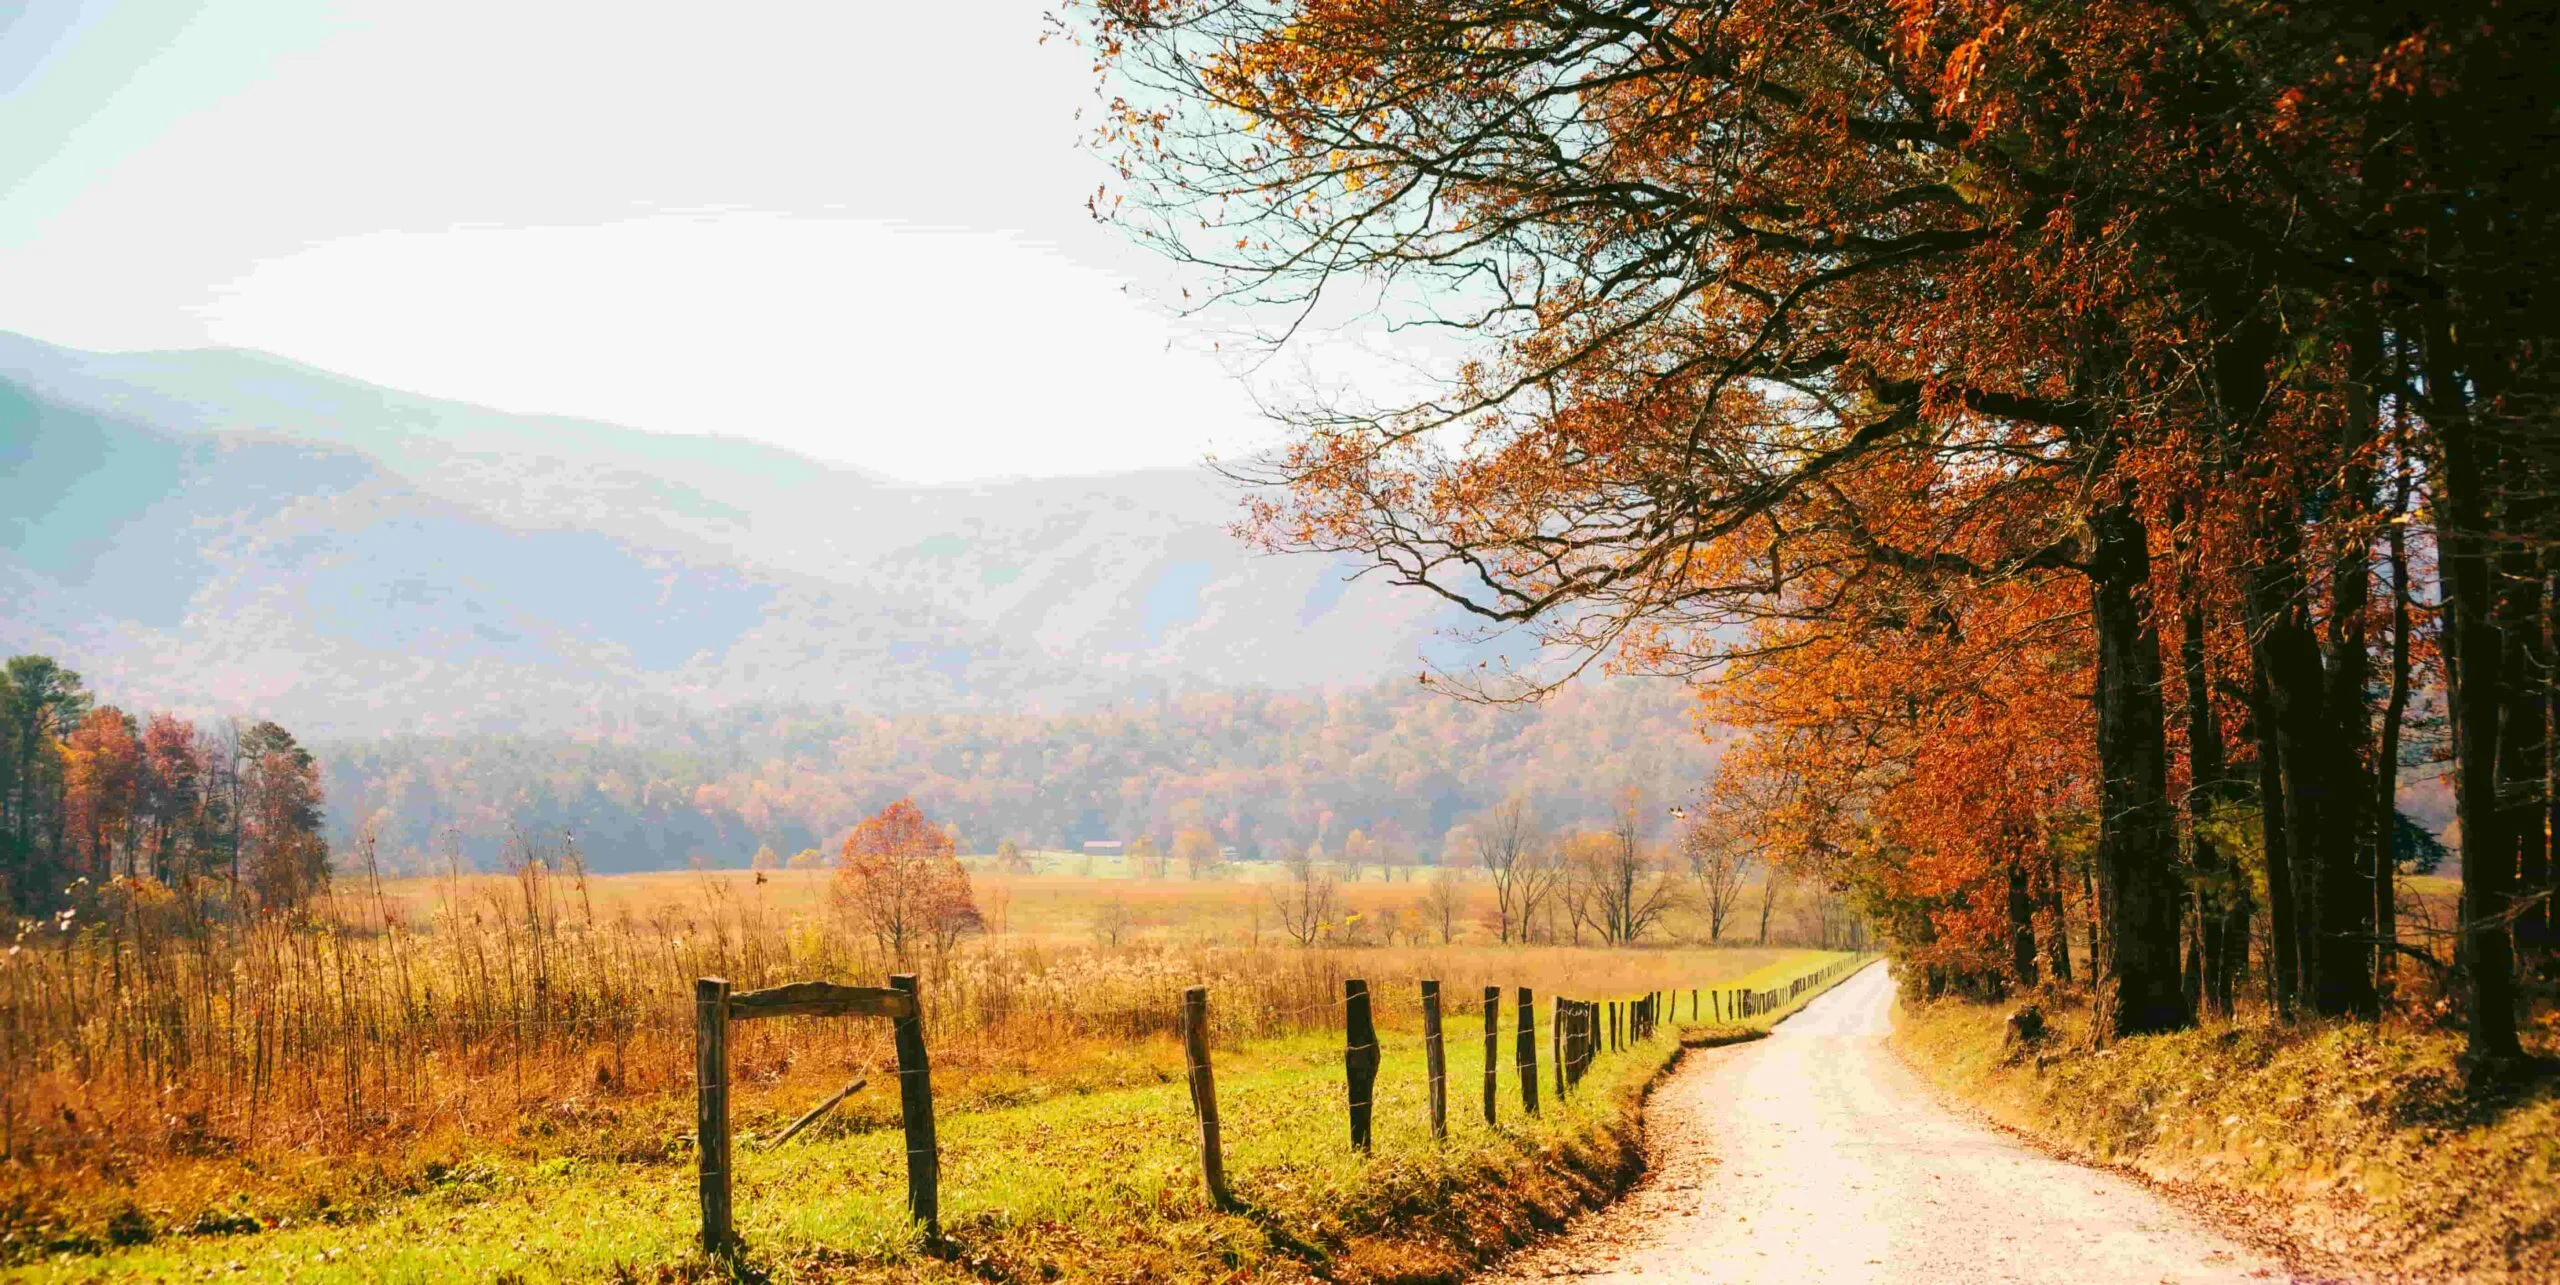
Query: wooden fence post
<point x="1359" y="1056"/>
<point x="1204" y="1090"/>
<point x="1492" y="1044"/>
<point x="1435" y="1061"/>
<point x="1527" y="1051"/>
<point x="1582" y="1049"/>
<point x="915" y="1109"/>
<point x="1555" y="1041"/>
<point x="711" y="1108"/>
<point x="1693" y="1003"/>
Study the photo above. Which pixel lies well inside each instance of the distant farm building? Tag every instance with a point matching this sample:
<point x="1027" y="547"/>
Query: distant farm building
<point x="1105" y="847"/>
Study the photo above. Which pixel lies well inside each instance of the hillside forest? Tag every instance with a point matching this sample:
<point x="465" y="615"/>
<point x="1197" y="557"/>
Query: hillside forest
<point x="1266" y="773"/>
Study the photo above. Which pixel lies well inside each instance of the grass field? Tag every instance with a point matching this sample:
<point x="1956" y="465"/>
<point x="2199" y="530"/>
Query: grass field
<point x="496" y="1073"/>
<point x="1095" y="1185"/>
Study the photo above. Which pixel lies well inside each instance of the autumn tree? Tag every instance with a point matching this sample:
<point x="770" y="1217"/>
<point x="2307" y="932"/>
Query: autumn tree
<point x="1717" y="869"/>
<point x="1574" y="905"/>
<point x="285" y="857"/>
<point x="1731" y="269"/>
<point x="1634" y="892"/>
<point x="1145" y="859"/>
<point x="1516" y="860"/>
<point x="900" y="880"/>
<point x="1305" y="897"/>
<point x="1444" y="903"/>
<point x="1358" y="851"/>
<point x="1197" y="850"/>
<point x="1691" y="350"/>
<point x="171" y="799"/>
<point x="1010" y="858"/>
<point x="102" y="777"/>
<point x="1113" y="920"/>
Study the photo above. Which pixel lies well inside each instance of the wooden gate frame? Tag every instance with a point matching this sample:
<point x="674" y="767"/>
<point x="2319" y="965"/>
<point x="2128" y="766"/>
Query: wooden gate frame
<point x="714" y="1007"/>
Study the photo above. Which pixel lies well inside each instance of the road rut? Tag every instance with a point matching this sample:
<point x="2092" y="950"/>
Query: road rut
<point x="1816" y="1156"/>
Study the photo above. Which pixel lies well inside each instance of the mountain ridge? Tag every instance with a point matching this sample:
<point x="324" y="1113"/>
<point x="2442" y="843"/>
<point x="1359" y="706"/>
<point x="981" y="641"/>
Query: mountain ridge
<point x="202" y="524"/>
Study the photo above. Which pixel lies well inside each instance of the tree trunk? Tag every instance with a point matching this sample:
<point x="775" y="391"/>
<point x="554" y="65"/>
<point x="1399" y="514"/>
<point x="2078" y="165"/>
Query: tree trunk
<point x="2386" y="758"/>
<point x="2474" y="662"/>
<point x="2056" y="907"/>
<point x="2346" y="858"/>
<point x="2522" y="730"/>
<point x="2214" y="893"/>
<point x="2283" y="968"/>
<point x="2331" y="901"/>
<point x="2022" y="925"/>
<point x="2527" y="740"/>
<point x="2137" y="838"/>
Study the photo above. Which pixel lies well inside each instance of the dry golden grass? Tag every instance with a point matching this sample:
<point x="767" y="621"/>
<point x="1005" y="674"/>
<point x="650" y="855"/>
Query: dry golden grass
<point x="2357" y="1142"/>
<point x="171" y="1071"/>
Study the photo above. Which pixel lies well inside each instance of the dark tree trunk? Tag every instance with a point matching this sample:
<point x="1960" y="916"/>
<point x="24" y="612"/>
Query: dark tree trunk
<point x="2022" y="925"/>
<point x="2346" y="909"/>
<point x="2522" y="729"/>
<point x="2137" y="836"/>
<point x="2216" y="891"/>
<point x="2533" y="927"/>
<point x="2474" y="665"/>
<point x="2193" y="979"/>
<point x="2283" y="968"/>
<point x="2332" y="901"/>
<point x="2056" y="909"/>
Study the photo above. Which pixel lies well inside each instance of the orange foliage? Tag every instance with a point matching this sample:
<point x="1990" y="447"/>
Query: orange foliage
<point x="900" y="879"/>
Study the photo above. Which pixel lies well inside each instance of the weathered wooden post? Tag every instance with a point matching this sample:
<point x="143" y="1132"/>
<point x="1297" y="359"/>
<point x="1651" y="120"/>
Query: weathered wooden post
<point x="1693" y="1003"/>
<point x="1359" y="1056"/>
<point x="711" y="1108"/>
<point x="1555" y="1041"/>
<point x="915" y="1108"/>
<point x="1204" y="1091"/>
<point x="1581" y="1039"/>
<point x="1527" y="1051"/>
<point x="1492" y="1044"/>
<point x="1435" y="1061"/>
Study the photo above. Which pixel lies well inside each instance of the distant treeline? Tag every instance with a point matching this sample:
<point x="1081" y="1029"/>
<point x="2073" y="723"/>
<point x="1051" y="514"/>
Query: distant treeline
<point x="1265" y="772"/>
<point x="90" y="792"/>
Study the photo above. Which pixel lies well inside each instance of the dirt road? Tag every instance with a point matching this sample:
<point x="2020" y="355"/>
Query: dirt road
<point x="1815" y="1155"/>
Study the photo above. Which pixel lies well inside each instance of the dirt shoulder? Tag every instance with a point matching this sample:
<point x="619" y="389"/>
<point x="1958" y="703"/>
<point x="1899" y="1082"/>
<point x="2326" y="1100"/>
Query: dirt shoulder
<point x="2354" y="1152"/>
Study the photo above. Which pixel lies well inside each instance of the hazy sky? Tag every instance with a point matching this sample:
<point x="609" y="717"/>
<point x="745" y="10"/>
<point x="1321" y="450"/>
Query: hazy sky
<point x="849" y="227"/>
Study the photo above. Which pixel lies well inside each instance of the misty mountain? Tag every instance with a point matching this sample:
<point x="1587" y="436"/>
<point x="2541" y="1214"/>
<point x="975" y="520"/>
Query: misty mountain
<point x="225" y="528"/>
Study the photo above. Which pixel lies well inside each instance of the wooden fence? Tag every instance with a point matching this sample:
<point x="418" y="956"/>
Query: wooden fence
<point x="1578" y="1030"/>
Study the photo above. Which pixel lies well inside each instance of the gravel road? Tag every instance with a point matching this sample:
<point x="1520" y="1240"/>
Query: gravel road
<point x="1815" y="1155"/>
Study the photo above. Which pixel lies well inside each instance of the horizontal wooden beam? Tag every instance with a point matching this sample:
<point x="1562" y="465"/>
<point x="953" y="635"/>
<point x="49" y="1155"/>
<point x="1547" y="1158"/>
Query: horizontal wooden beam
<point x="820" y="999"/>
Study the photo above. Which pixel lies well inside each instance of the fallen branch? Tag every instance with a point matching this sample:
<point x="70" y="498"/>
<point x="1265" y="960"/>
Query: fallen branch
<point x="818" y="1110"/>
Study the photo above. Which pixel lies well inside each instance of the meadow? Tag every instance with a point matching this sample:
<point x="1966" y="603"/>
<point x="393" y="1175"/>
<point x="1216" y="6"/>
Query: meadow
<point x="495" y="1072"/>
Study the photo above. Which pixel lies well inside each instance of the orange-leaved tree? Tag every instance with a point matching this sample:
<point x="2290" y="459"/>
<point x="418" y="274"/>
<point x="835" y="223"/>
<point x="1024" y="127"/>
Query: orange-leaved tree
<point x="900" y="880"/>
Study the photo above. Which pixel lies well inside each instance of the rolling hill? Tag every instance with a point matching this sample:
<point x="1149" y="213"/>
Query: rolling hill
<point x="224" y="529"/>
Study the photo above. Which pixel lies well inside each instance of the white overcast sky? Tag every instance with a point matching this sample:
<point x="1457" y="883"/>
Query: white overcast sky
<point x="848" y="227"/>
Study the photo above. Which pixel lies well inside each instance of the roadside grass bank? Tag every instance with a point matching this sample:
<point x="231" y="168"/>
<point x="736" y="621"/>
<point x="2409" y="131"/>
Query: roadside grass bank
<point x="1101" y="1185"/>
<point x="2359" y="1145"/>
